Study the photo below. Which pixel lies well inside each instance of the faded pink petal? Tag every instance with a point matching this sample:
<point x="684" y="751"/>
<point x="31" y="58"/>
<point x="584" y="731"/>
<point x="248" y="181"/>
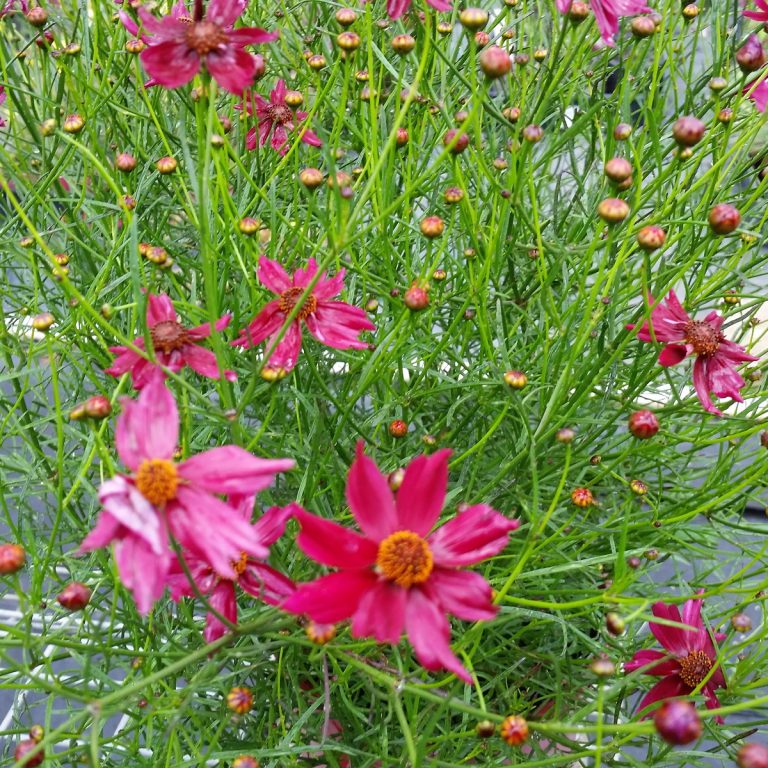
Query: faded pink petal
<point x="125" y="361"/>
<point x="370" y="497"/>
<point x="331" y="544"/>
<point x="673" y="354"/>
<point x="396" y="8"/>
<point x="441" y="5"/>
<point x="286" y="352"/>
<point x="268" y="322"/>
<point x="122" y="501"/>
<point x="171" y="63"/>
<point x="331" y="598"/>
<point x="101" y="535"/>
<point x="203" y="331"/>
<point x="271" y="525"/>
<point x="421" y="496"/>
<point x="224" y="12"/>
<point x="463" y="594"/>
<point x="311" y="138"/>
<point x="702" y="386"/>
<point x="222" y="599"/>
<point x="477" y="533"/>
<point x="674" y="639"/>
<point x="381" y="613"/>
<point x="758" y="93"/>
<point x="203" y="361"/>
<point x="252" y="36"/>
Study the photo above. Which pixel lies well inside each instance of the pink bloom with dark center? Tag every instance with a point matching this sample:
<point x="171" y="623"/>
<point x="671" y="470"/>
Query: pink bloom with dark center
<point x="252" y="575"/>
<point x="759" y="94"/>
<point x="396" y="8"/>
<point x="174" y="345"/>
<point x="607" y="14"/>
<point x="689" y="658"/>
<point x="716" y="357"/>
<point x="333" y="323"/>
<point x="160" y="498"/>
<point x="396" y="575"/>
<point x="761" y="14"/>
<point x="276" y="117"/>
<point x="177" y="46"/>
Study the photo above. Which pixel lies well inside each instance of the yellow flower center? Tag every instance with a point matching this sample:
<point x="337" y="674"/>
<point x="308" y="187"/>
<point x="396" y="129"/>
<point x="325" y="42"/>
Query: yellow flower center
<point x="405" y="558"/>
<point x="157" y="481"/>
<point x="694" y="668"/>
<point x="290" y="298"/>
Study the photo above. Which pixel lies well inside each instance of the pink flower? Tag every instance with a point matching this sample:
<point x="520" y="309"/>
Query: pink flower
<point x="9" y="7"/>
<point x="333" y="323"/>
<point x="397" y="575"/>
<point x="174" y="345"/>
<point x="178" y="46"/>
<point x="762" y="14"/>
<point x="607" y="14"/>
<point x="161" y="497"/>
<point x="252" y="575"/>
<point x="396" y="8"/>
<point x="759" y="94"/>
<point x="690" y="657"/>
<point x="276" y="117"/>
<point x="716" y="357"/>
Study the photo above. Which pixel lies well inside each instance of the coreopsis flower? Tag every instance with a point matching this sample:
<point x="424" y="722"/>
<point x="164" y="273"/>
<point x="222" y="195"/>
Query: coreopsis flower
<point x="758" y="93"/>
<point x="177" y="45"/>
<point x="689" y="656"/>
<point x="399" y="574"/>
<point x="333" y="323"/>
<point x="252" y="574"/>
<point x="396" y="8"/>
<point x="160" y="498"/>
<point x="607" y="14"/>
<point x="716" y="357"/>
<point x="276" y="117"/>
<point x="174" y="345"/>
<point x="759" y="15"/>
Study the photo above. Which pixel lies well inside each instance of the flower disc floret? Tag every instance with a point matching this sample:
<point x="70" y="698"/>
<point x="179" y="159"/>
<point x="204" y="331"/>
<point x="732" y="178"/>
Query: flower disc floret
<point x="703" y="337"/>
<point x="404" y="558"/>
<point x="157" y="481"/>
<point x="694" y="668"/>
<point x="204" y="37"/>
<point x="168" y="335"/>
<point x="290" y="298"/>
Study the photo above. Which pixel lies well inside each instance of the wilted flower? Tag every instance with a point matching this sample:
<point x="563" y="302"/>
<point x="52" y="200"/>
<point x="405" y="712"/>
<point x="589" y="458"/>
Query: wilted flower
<point x="689" y="658"/>
<point x="397" y="575"/>
<point x="159" y="498"/>
<point x="174" y="345"/>
<point x="607" y="14"/>
<point x="716" y="357"/>
<point x="333" y="323"/>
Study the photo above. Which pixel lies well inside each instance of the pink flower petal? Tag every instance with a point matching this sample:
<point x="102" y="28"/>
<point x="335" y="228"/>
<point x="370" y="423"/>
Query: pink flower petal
<point x="265" y="583"/>
<point x="441" y="5"/>
<point x="381" y="613"/>
<point x="337" y="324"/>
<point x="673" y="354"/>
<point x="279" y="139"/>
<point x="286" y="351"/>
<point x="328" y="287"/>
<point x="271" y="525"/>
<point x="331" y="598"/>
<point x="106" y="530"/>
<point x="141" y="570"/>
<point x="222" y="598"/>
<point x="311" y="138"/>
<point x="204" y="331"/>
<point x="123" y="503"/>
<point x="674" y="639"/>
<point x="170" y="63"/>
<point x="124" y="362"/>
<point x="463" y="594"/>
<point x="224" y="12"/>
<point x="159" y="309"/>
<point x="702" y="385"/>
<point x="396" y="8"/>
<point x="370" y="498"/>
<point x="268" y="322"/>
<point x="331" y="544"/>
<point x="645" y="660"/>
<point x="430" y="635"/>
<point x="202" y="361"/>
<point x="477" y="533"/>
<point x="667" y="688"/>
<point x="232" y="68"/>
<point x="230" y="469"/>
<point x="272" y="275"/>
<point x="421" y="496"/>
<point x="251" y="36"/>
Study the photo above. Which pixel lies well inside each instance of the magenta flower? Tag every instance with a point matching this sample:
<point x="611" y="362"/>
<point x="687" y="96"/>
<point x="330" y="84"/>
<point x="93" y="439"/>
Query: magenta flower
<point x="716" y="357"/>
<point x="174" y="345"/>
<point x="396" y="8"/>
<point x="607" y="14"/>
<point x="276" y="117"/>
<point x="333" y="323"/>
<point x="160" y="497"/>
<point x="760" y="15"/>
<point x="177" y="46"/>
<point x="397" y="575"/>
<point x="759" y="94"/>
<point x="252" y="575"/>
<point x="689" y="658"/>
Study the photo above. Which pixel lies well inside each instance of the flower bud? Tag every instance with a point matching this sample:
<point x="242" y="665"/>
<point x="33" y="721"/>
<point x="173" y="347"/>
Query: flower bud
<point x="473" y="18"/>
<point x="37" y="17"/>
<point x="602" y="666"/>
<point x="677" y="722"/>
<point x="751" y="57"/>
<point x="724" y="219"/>
<point x="638" y="487"/>
<point x="43" y="321"/>
<point x="240" y="700"/>
<point x="725" y="115"/>
<point x="166" y="165"/>
<point x="97" y="407"/>
<point x="717" y="84"/>
<point x="651" y="238"/>
<point x="416" y="297"/>
<point x="453" y="195"/>
<point x="403" y="44"/>
<point x="514" y="730"/>
<point x="461" y="143"/>
<point x="398" y="428"/>
<point x="643" y="26"/>
<point x="741" y="622"/>
<point x="752" y="756"/>
<point x="432" y="226"/>
<point x="515" y="379"/>
<point x="533" y="133"/>
<point x="24" y="747"/>
<point x="565" y="435"/>
<point x="690" y="11"/>
<point x="688" y="130"/>
<point x="578" y="12"/>
<point x="622" y="131"/>
<point x="612" y="210"/>
<point x="643" y="424"/>
<point x="37" y="733"/>
<point x="395" y="479"/>
<point x="125" y="162"/>
<point x="73" y="124"/>
<point x="485" y="729"/>
<point x="582" y="497"/>
<point x="248" y="225"/>
<point x="12" y="558"/>
<point x="512" y="113"/>
<point x="48" y="127"/>
<point x="482" y="38"/>
<point x="495" y="62"/>
<point x="346" y="17"/>
<point x="618" y="169"/>
<point x="316" y="62"/>
<point x="540" y="54"/>
<point x="245" y="761"/>
<point x="348" y="41"/>
<point x="74" y="597"/>
<point x="134" y="45"/>
<point x="614" y="623"/>
<point x="311" y="178"/>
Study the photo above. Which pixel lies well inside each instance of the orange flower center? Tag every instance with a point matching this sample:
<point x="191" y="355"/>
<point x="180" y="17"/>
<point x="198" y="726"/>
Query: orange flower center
<point x="694" y="668"/>
<point x="240" y="564"/>
<point x="703" y="337"/>
<point x="290" y="298"/>
<point x="279" y="113"/>
<point x="168" y="335"/>
<point x="205" y="36"/>
<point x="405" y="558"/>
<point x="157" y="481"/>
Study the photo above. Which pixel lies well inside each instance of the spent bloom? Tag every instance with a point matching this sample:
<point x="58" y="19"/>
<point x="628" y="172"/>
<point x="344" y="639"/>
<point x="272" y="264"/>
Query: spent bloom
<point x="399" y="574"/>
<point x="716" y="357"/>
<point x="276" y="117"/>
<point x="333" y="323"/>
<point x="178" y="45"/>
<point x="160" y="498"/>
<point x="607" y="14"/>
<point x="252" y="574"/>
<point x="396" y="8"/>
<point x="759" y="15"/>
<point x="689" y="656"/>
<point x="175" y="346"/>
